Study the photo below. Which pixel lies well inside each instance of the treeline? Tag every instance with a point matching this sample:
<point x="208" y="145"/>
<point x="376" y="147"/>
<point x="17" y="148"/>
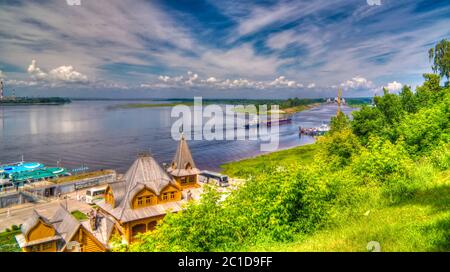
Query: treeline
<point x="386" y="155"/>
<point x="37" y="100"/>
<point x="282" y="103"/>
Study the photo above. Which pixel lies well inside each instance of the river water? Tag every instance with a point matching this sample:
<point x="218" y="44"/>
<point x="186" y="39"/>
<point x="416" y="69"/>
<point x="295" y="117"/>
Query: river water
<point x="101" y="136"/>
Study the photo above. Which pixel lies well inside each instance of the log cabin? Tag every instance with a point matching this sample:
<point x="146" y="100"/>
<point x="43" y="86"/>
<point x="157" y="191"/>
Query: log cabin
<point x="60" y="233"/>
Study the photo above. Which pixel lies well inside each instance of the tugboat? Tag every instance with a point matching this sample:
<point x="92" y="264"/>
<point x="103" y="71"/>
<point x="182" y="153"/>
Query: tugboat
<point x="280" y="121"/>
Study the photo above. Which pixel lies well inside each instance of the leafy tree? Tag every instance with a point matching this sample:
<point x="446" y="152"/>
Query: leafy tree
<point x="339" y="122"/>
<point x="340" y="147"/>
<point x="408" y="99"/>
<point x="440" y="56"/>
<point x="367" y="121"/>
<point x="430" y="91"/>
<point x="390" y="106"/>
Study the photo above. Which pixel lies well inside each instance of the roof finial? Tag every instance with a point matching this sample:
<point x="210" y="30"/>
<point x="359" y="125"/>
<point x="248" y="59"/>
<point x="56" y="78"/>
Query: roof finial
<point x="339" y="98"/>
<point x="182" y="132"/>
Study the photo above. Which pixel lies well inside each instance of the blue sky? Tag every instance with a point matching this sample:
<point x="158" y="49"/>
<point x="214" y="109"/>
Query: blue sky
<point x="241" y="49"/>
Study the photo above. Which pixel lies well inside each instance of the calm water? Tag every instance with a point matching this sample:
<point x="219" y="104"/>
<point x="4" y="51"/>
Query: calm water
<point x="92" y="133"/>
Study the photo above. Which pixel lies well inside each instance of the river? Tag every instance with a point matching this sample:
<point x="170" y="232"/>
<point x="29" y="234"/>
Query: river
<point x="101" y="136"/>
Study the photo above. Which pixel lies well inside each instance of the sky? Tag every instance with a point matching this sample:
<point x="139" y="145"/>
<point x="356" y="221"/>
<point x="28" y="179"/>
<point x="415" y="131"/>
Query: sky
<point x="215" y="49"/>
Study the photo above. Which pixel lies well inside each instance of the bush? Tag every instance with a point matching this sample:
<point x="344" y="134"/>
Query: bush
<point x="270" y="206"/>
<point x="440" y="157"/>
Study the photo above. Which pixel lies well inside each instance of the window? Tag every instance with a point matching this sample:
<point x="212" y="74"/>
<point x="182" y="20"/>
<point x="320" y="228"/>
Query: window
<point x="140" y="228"/>
<point x="140" y="201"/>
<point x="35" y="248"/>
<point x="165" y="196"/>
<point x="191" y="179"/>
<point x="183" y="179"/>
<point x="151" y="225"/>
<point x="47" y="246"/>
<point x="172" y="195"/>
<point x="148" y="200"/>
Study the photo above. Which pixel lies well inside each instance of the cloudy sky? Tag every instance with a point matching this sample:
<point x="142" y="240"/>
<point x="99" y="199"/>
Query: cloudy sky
<point x="242" y="49"/>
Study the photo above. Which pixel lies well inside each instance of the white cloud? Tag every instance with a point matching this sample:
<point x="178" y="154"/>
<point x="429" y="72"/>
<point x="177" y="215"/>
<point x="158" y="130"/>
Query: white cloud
<point x="312" y="85"/>
<point x="211" y="80"/>
<point x="62" y="74"/>
<point x="357" y="83"/>
<point x="164" y="78"/>
<point x="194" y="80"/>
<point x="36" y="72"/>
<point x="281" y="81"/>
<point x="281" y="40"/>
<point x="394" y="86"/>
<point x="2" y="75"/>
<point x="21" y="83"/>
<point x="67" y="74"/>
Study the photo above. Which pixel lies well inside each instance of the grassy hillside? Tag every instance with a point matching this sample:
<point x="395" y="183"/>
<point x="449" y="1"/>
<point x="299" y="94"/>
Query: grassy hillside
<point x="301" y="154"/>
<point x="417" y="225"/>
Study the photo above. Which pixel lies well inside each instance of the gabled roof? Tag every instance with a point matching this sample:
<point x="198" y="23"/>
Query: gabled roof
<point x="65" y="224"/>
<point x="119" y="190"/>
<point x="183" y="164"/>
<point x="32" y="221"/>
<point x="103" y="231"/>
<point x="144" y="173"/>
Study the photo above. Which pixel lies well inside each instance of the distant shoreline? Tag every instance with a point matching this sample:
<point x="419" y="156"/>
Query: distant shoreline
<point x="25" y="101"/>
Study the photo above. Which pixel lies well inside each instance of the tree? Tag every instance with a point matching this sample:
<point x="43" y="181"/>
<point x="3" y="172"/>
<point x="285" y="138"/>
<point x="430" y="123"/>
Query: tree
<point x="440" y="56"/>
<point x="339" y="122"/>
<point x="430" y="91"/>
<point x="390" y="105"/>
<point x="408" y="100"/>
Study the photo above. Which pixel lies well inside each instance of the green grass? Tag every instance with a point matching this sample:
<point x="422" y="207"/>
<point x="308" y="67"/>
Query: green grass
<point x="8" y="242"/>
<point x="421" y="223"/>
<point x="79" y="215"/>
<point x="301" y="154"/>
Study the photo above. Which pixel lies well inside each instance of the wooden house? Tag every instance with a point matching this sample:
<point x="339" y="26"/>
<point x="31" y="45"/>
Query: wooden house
<point x="147" y="192"/>
<point x="60" y="233"/>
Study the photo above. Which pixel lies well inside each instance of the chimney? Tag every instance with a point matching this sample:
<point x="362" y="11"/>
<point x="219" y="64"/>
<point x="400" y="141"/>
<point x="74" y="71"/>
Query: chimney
<point x="93" y="219"/>
<point x="189" y="195"/>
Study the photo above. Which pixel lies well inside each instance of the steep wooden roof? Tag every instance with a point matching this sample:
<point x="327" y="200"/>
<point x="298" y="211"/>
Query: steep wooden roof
<point x="183" y="164"/>
<point x="32" y="221"/>
<point x="145" y="172"/>
<point x="65" y="224"/>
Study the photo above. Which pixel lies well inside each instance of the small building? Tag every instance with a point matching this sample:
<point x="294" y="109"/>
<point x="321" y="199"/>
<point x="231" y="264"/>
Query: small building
<point x="60" y="233"/>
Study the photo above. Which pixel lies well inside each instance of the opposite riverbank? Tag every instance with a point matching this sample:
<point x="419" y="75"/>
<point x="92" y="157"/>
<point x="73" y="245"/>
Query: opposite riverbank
<point x="289" y="106"/>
